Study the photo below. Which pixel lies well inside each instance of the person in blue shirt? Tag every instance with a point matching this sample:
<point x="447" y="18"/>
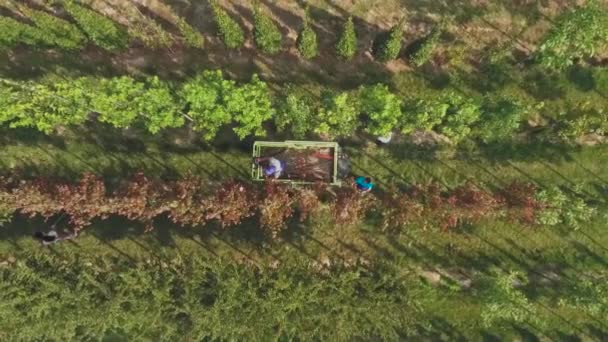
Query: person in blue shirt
<point x="364" y="184"/>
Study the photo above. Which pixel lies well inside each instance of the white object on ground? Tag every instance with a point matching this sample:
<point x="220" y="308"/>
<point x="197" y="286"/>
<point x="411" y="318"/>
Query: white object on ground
<point x="385" y="139"/>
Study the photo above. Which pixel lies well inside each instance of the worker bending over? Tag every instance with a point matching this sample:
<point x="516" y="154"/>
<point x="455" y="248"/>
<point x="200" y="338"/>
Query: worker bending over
<point x="273" y="168"/>
<point x="364" y="184"/>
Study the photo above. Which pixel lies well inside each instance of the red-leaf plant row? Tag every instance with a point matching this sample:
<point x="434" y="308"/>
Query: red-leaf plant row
<point x="193" y="202"/>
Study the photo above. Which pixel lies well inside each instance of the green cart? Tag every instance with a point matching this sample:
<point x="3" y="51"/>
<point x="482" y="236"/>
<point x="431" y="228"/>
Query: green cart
<point x="305" y="162"/>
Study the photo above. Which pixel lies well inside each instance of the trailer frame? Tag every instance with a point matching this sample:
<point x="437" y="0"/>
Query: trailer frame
<point x="257" y="172"/>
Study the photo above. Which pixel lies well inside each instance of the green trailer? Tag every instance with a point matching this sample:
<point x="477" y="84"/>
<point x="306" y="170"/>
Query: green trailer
<point x="305" y="162"/>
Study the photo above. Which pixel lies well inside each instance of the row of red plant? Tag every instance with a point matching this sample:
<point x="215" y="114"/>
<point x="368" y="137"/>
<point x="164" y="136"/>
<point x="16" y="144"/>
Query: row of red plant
<point x="194" y="202"/>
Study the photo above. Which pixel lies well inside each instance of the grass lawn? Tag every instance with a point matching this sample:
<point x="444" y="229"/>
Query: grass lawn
<point x="470" y="251"/>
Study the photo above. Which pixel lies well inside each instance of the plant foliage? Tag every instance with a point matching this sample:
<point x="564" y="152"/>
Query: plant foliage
<point x="14" y="33"/>
<point x="307" y="39"/>
<point x="230" y="31"/>
<point x="347" y="44"/>
<point x="100" y="30"/>
<point x="192" y="37"/>
<point x="576" y="34"/>
<point x="57" y="31"/>
<point x="382" y="107"/>
<point x="296" y="113"/>
<point x="425" y="51"/>
<point x="268" y="38"/>
<point x="392" y="46"/>
<point x="338" y="115"/>
<point x="206" y="98"/>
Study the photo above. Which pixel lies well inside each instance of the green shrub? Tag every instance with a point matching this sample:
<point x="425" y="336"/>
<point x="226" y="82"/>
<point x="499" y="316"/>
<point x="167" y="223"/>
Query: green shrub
<point x="56" y="31"/>
<point x="578" y="119"/>
<point x="123" y="101"/>
<point x="6" y="214"/>
<point x="268" y="38"/>
<point x="250" y="106"/>
<point x="392" y="46"/>
<point x="192" y="37"/>
<point x="115" y="99"/>
<point x="382" y="107"/>
<point x="347" y="44"/>
<point x="296" y="111"/>
<point x="500" y="119"/>
<point x="307" y="39"/>
<point x="576" y="34"/>
<point x="338" y="116"/>
<point x="425" y="52"/>
<point x="150" y="33"/>
<point x="101" y="30"/>
<point x="230" y="31"/>
<point x="461" y="115"/>
<point x="423" y="114"/>
<point x="560" y="208"/>
<point x="205" y="96"/>
<point x="158" y="107"/>
<point x="14" y="33"/>
<point x="504" y="303"/>
<point x="45" y="107"/>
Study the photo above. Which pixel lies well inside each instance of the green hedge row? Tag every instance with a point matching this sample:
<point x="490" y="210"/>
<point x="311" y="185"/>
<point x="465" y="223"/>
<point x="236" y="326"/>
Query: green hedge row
<point x="210" y="101"/>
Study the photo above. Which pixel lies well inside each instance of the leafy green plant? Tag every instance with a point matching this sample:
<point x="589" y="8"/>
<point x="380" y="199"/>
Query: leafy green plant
<point x="558" y="208"/>
<point x="6" y="213"/>
<point x="579" y="119"/>
<point x="124" y="101"/>
<point x="267" y="35"/>
<point x="499" y="120"/>
<point x="576" y="34"/>
<point x="205" y="96"/>
<point x="307" y="39"/>
<point x="461" y="115"/>
<point x="425" y="51"/>
<point x="158" y="106"/>
<point x="347" y="44"/>
<point x="505" y="303"/>
<point x="192" y="37"/>
<point x="250" y="105"/>
<point x="115" y="100"/>
<point x="44" y="107"/>
<point x="14" y="33"/>
<point x="149" y="32"/>
<point x="392" y="46"/>
<point x="56" y="31"/>
<point x="589" y="295"/>
<point x="338" y="115"/>
<point x="100" y="30"/>
<point x="296" y="111"/>
<point x="230" y="31"/>
<point x="382" y="107"/>
<point x="423" y="114"/>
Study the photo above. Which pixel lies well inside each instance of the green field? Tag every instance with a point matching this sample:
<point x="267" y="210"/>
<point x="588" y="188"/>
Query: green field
<point x="480" y="95"/>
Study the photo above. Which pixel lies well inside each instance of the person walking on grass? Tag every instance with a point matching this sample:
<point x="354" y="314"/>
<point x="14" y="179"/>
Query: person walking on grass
<point x="52" y="237"/>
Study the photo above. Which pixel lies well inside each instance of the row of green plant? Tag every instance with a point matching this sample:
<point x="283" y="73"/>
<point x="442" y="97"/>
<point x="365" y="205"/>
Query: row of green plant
<point x="79" y="296"/>
<point x="49" y="30"/>
<point x="209" y="101"/>
<point x="577" y="34"/>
